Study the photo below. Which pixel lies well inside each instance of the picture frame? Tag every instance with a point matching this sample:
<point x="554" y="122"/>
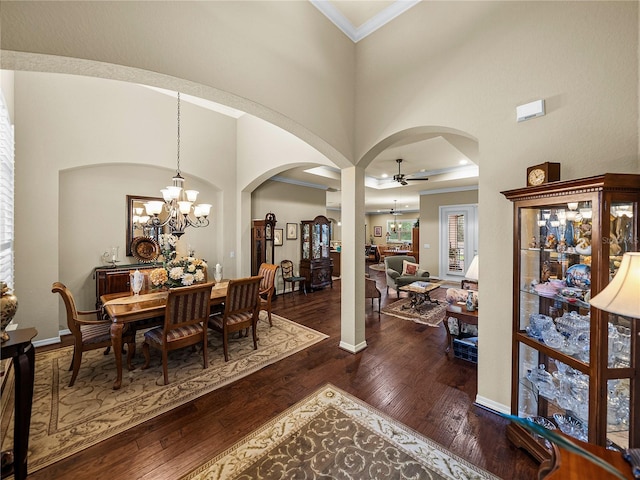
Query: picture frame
<point x="377" y="231"/>
<point x="292" y="231"/>
<point x="277" y="236"/>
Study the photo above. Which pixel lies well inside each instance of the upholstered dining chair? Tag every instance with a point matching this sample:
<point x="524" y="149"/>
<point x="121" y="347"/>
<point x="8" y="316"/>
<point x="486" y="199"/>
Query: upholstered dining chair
<point x="89" y="331"/>
<point x="267" y="287"/>
<point x="185" y="324"/>
<point x="371" y="291"/>
<point x="241" y="309"/>
<point x="288" y="277"/>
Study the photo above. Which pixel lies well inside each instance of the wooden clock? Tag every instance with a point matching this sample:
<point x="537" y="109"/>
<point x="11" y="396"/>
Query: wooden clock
<point x="543" y="173"/>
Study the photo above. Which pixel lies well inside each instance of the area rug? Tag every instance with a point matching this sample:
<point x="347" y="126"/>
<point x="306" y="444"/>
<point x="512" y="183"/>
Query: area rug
<point x="66" y="420"/>
<point x="331" y="434"/>
<point x="427" y="314"/>
<point x="377" y="267"/>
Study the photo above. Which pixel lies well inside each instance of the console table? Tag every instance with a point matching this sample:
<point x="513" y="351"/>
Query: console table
<point x="470" y="318"/>
<point x="22" y="352"/>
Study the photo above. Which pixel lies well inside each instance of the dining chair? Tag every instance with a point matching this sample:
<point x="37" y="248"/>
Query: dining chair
<point x="185" y="324"/>
<point x="290" y="278"/>
<point x="241" y="309"/>
<point x="371" y="291"/>
<point x="89" y="334"/>
<point x="267" y="287"/>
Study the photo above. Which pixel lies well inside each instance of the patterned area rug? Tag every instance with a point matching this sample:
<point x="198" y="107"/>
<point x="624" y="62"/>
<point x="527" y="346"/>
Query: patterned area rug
<point x="427" y="313"/>
<point x="331" y="434"/>
<point x="66" y="420"/>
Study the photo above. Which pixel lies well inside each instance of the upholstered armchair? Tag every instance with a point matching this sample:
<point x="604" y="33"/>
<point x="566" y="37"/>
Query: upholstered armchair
<point x="393" y="266"/>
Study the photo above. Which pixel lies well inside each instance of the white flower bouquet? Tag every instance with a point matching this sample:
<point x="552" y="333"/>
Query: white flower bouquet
<point x="180" y="272"/>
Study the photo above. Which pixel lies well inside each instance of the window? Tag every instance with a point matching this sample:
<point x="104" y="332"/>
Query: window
<point x="400" y="230"/>
<point x="6" y="195"/>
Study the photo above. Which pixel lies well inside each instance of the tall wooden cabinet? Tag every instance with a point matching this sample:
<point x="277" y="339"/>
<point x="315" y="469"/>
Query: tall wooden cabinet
<point x="315" y="260"/>
<point x="574" y="366"/>
<point x="262" y="246"/>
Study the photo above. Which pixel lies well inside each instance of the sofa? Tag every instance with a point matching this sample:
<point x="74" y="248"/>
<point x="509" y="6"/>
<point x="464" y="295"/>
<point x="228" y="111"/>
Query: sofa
<point x="393" y="266"/>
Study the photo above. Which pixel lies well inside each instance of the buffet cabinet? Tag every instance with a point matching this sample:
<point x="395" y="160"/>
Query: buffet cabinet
<point x="116" y="279"/>
<point x="575" y="368"/>
<point x="315" y="259"/>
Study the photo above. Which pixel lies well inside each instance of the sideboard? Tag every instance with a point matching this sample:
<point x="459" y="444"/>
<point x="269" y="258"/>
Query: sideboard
<point x="116" y="279"/>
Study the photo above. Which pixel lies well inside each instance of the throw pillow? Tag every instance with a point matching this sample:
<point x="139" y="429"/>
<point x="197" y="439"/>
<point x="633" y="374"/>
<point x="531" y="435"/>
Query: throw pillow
<point x="409" y="268"/>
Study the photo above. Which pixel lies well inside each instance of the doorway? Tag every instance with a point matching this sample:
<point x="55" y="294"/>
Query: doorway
<point x="458" y="240"/>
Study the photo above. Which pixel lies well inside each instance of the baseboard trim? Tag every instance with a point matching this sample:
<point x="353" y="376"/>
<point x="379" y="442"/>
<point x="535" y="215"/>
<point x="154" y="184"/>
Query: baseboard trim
<point x="489" y="404"/>
<point x="353" y="348"/>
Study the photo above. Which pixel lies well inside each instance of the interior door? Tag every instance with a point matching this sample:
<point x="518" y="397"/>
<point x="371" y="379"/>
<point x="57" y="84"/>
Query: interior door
<point x="458" y="240"/>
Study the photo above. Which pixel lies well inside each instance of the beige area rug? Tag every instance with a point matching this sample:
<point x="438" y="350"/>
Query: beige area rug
<point x="377" y="267"/>
<point x="331" y="434"/>
<point x="427" y="313"/>
<point x="66" y="420"/>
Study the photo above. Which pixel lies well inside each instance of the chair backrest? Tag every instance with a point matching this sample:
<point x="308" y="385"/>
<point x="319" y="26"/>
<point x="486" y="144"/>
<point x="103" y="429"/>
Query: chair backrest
<point x="187" y="306"/>
<point x="371" y="289"/>
<point x="268" y="273"/>
<point x="287" y="268"/>
<point x="70" y="305"/>
<point x="242" y="296"/>
<point x="394" y="262"/>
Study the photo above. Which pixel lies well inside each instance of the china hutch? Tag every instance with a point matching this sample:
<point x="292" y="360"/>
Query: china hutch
<point x="315" y="260"/>
<point x="262" y="242"/>
<point x="575" y="368"/>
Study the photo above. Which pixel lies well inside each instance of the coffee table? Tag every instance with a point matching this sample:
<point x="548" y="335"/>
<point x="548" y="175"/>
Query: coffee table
<point x="419" y="294"/>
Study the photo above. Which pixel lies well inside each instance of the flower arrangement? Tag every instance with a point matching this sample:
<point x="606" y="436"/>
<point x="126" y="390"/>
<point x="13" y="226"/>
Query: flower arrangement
<point x="167" y="242"/>
<point x="179" y="272"/>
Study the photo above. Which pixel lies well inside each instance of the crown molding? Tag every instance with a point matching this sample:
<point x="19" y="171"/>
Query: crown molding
<point x="370" y="26"/>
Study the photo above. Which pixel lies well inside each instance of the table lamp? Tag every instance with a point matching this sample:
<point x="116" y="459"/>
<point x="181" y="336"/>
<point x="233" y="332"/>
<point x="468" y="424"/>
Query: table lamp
<point x="622" y="295"/>
<point x="472" y="273"/>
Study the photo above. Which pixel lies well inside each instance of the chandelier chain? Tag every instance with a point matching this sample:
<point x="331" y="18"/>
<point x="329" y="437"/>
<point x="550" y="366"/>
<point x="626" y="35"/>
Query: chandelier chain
<point x="178" y="133"/>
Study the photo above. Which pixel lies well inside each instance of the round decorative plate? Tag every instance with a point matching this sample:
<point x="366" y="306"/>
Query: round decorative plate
<point x="145" y="249"/>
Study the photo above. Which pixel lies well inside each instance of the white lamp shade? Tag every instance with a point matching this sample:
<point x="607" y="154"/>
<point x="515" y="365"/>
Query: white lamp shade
<point x="174" y="192"/>
<point x="185" y="207"/>
<point x="154" y="208"/>
<point x="622" y="295"/>
<point x="191" y="195"/>
<point x="166" y="194"/>
<point x="205" y="208"/>
<point x="472" y="273"/>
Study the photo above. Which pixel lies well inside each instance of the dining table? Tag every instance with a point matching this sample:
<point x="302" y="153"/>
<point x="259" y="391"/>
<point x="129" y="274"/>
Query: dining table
<point x="125" y="308"/>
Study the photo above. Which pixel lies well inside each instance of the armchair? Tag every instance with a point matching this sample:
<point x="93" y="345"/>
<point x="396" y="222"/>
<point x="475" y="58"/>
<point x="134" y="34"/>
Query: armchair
<point x="393" y="270"/>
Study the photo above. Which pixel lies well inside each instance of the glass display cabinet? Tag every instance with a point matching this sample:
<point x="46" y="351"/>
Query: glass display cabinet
<point x="315" y="260"/>
<point x="575" y="368"/>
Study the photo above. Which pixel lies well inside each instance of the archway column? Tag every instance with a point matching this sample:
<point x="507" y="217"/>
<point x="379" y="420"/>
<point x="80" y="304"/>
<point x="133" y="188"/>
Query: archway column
<point x="352" y="262"/>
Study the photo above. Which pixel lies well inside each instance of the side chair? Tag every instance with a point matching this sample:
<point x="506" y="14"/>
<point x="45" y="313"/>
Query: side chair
<point x="267" y="287"/>
<point x="289" y="277"/>
<point x="185" y="324"/>
<point x="89" y="333"/>
<point x="371" y="291"/>
<point x="241" y="309"/>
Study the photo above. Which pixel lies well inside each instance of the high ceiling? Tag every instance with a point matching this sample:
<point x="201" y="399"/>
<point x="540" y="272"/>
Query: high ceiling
<point x="440" y="158"/>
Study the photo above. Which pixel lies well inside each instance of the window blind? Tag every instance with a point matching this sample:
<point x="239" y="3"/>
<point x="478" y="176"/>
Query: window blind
<point x="6" y="195"/>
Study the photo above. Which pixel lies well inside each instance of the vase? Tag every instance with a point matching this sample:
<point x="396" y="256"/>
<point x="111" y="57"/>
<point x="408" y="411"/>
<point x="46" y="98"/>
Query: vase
<point x="470" y="304"/>
<point x="9" y="306"/>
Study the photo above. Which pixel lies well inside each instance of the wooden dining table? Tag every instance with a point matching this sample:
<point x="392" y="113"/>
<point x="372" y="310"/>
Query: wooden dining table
<point x="125" y="308"/>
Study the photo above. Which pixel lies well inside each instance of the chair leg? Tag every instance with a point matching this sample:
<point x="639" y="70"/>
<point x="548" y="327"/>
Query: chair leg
<point x="165" y="369"/>
<point x="255" y="338"/>
<point x="131" y="351"/>
<point x="205" y="353"/>
<point x="147" y="356"/>
<point x="107" y="350"/>
<point x="77" y="359"/>
<point x="225" y="346"/>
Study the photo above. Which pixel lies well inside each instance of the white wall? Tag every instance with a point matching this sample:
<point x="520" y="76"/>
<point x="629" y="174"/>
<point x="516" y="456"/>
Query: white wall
<point x="466" y="66"/>
<point x="66" y="214"/>
<point x="291" y="204"/>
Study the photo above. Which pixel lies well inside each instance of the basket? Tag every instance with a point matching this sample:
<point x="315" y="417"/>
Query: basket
<point x="465" y="350"/>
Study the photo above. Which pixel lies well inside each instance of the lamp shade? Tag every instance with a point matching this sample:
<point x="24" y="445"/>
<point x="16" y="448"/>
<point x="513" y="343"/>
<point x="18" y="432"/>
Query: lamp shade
<point x="472" y="273"/>
<point x="622" y="295"/>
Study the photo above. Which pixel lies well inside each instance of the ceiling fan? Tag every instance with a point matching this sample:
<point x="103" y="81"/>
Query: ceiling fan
<point x="400" y="177"/>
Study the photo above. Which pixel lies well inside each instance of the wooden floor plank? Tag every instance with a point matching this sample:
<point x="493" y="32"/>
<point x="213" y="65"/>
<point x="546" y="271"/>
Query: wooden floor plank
<point x="403" y="373"/>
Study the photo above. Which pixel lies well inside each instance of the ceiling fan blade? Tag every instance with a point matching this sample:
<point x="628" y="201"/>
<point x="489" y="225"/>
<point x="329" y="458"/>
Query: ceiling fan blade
<point x="416" y="179"/>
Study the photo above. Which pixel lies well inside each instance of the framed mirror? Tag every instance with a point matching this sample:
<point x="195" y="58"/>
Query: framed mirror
<point x="135" y="209"/>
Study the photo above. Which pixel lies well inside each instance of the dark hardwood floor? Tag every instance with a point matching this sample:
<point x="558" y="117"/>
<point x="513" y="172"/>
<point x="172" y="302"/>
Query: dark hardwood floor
<point x="403" y="372"/>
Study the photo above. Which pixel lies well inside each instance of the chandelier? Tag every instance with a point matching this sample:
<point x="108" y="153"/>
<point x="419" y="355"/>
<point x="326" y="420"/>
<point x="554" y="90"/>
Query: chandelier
<point x="178" y="203"/>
